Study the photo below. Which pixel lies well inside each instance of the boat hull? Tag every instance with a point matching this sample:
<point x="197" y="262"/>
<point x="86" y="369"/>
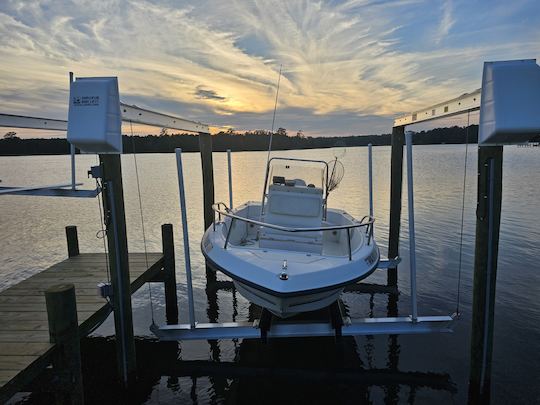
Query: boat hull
<point x="285" y="307"/>
<point x="288" y="282"/>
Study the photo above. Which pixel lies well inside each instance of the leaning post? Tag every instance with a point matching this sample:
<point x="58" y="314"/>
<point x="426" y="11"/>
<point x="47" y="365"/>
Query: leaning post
<point x="488" y="220"/>
<point x="171" y="299"/>
<point x="396" y="186"/>
<point x="72" y="241"/>
<point x="64" y="332"/>
<point x="113" y="202"/>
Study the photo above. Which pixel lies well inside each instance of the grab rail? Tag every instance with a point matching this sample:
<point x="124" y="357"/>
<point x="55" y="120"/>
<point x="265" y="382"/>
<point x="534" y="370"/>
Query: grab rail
<point x="227" y="212"/>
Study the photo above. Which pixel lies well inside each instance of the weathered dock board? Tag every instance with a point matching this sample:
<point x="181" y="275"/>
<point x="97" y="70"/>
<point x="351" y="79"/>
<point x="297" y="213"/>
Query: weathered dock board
<point x="25" y="348"/>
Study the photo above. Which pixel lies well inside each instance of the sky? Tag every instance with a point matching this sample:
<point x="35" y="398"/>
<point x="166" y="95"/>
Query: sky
<point x="349" y="67"/>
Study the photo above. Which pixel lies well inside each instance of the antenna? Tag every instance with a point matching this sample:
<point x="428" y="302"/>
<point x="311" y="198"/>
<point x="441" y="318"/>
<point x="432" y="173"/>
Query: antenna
<point x="274" y="115"/>
<point x="270" y="143"/>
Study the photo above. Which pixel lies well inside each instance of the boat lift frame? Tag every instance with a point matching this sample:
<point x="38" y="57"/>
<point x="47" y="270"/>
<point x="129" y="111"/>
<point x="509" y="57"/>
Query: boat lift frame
<point x="345" y="326"/>
<point x="412" y="324"/>
<point x="130" y="113"/>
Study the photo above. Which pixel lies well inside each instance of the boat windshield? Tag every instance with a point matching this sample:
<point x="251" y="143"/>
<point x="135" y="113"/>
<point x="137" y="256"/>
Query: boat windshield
<point x="310" y="174"/>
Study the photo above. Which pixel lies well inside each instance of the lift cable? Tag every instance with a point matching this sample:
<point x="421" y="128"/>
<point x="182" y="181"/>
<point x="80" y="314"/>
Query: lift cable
<point x="463" y="212"/>
<point x="103" y="232"/>
<point x="142" y="219"/>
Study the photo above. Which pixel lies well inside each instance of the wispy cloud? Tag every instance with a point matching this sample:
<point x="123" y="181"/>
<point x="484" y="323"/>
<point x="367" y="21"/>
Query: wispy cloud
<point x="207" y="94"/>
<point x="447" y="21"/>
<point x="357" y="62"/>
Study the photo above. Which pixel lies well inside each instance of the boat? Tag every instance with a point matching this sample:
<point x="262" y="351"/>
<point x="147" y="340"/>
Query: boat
<point x="290" y="253"/>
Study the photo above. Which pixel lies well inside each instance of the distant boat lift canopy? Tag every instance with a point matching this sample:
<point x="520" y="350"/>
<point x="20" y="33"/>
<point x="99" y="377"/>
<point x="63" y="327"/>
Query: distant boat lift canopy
<point x="459" y="105"/>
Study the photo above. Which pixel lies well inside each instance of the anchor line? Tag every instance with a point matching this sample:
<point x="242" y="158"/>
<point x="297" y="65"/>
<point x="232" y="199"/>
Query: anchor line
<point x="102" y="232"/>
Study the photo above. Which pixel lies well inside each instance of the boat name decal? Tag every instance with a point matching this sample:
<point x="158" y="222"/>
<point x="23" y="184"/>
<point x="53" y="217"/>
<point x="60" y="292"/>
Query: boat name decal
<point x="83" y="101"/>
<point x="371" y="258"/>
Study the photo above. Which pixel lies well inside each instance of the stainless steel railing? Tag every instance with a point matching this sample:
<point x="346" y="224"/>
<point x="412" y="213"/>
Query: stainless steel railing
<point x="367" y="221"/>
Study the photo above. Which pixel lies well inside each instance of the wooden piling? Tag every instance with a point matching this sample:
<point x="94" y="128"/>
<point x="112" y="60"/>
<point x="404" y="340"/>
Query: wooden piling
<point x="169" y="268"/>
<point x="113" y="201"/>
<point x="72" y="241"/>
<point x="205" y="146"/>
<point x="64" y="332"/>
<point x="396" y="186"/>
<point x="488" y="218"/>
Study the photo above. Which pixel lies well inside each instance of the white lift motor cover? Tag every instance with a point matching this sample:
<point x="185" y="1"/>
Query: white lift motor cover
<point x="94" y="118"/>
<point x="510" y="103"/>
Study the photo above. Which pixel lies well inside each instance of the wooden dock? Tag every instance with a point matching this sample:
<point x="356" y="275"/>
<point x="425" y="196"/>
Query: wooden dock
<point x="25" y="342"/>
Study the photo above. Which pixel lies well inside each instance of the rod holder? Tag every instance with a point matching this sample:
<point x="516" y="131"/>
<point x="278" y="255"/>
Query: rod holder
<point x="370" y="175"/>
<point x="229" y="166"/>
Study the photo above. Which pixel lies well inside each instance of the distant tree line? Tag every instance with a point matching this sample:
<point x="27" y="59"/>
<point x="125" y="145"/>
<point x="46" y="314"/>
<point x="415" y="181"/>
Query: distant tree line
<point x="10" y="144"/>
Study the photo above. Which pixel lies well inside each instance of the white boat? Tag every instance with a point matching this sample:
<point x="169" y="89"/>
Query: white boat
<point x="290" y="253"/>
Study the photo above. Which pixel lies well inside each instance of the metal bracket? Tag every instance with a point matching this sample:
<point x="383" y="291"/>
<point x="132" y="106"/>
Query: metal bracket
<point x="96" y="172"/>
<point x="105" y="290"/>
<point x="385" y="264"/>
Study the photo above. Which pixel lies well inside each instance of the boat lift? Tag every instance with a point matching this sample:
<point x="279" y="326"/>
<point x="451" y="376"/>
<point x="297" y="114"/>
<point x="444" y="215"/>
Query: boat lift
<point x="508" y="101"/>
<point x="339" y="324"/>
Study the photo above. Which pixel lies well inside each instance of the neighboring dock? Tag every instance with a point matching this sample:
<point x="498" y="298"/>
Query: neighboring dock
<point x="27" y="324"/>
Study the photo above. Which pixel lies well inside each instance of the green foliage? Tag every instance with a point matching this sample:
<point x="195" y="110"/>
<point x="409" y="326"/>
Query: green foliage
<point x="248" y="141"/>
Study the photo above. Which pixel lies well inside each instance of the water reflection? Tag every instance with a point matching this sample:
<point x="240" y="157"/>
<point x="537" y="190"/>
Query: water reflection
<point x="295" y="370"/>
<point x="438" y="199"/>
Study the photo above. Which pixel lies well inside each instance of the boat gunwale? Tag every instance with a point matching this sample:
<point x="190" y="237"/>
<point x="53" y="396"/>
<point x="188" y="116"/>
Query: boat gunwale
<point x="216" y="266"/>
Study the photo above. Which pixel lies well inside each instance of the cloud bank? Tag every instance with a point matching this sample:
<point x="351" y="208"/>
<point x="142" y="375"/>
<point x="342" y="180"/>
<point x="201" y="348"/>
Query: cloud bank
<point x="348" y="66"/>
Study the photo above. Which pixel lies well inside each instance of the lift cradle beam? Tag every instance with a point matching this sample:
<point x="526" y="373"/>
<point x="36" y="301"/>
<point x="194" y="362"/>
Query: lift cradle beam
<point x="251" y="330"/>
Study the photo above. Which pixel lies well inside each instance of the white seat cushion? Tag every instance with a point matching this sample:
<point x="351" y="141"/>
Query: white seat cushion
<point x="295" y="207"/>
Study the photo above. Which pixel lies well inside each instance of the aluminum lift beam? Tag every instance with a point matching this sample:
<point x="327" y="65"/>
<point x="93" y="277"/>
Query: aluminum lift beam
<point x="459" y="105"/>
<point x="251" y="330"/>
<point x="130" y="113"/>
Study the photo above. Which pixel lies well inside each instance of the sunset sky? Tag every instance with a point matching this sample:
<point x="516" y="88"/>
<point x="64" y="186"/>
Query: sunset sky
<point x="349" y="66"/>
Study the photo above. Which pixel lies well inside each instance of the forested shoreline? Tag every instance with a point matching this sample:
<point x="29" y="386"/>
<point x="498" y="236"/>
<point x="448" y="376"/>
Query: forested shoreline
<point x="11" y="145"/>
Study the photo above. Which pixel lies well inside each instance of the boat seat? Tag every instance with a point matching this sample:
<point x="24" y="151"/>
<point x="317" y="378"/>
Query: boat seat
<point x="295" y="206"/>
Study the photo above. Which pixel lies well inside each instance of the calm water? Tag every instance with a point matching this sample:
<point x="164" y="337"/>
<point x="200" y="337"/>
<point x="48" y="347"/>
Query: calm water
<point x="406" y="369"/>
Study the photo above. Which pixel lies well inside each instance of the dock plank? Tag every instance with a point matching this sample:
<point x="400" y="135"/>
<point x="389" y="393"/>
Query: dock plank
<point x="7" y="375"/>
<point x="38" y="316"/>
<point x="25" y="348"/>
<point x="40" y="336"/>
<point x="16" y="362"/>
<point x="14" y="299"/>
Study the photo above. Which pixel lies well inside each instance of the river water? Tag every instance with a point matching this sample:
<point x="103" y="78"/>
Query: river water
<point x="404" y="369"/>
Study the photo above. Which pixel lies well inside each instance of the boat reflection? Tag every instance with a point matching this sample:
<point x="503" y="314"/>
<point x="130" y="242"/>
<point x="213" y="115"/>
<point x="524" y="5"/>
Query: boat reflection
<point x="312" y="370"/>
<point x="293" y="370"/>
